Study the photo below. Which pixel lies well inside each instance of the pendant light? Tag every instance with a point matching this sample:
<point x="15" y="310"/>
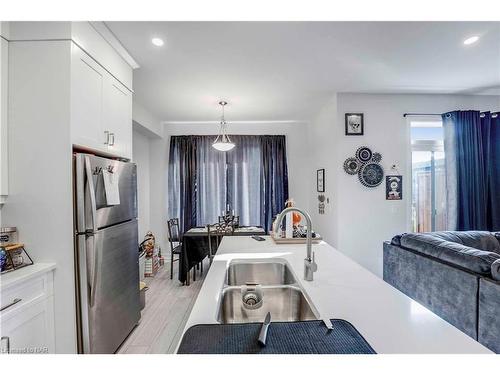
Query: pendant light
<point x="223" y="142"/>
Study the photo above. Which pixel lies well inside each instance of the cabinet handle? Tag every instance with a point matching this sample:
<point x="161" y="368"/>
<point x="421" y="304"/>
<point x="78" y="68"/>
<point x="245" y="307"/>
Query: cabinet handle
<point x="16" y="300"/>
<point x="111" y="139"/>
<point x="107" y="134"/>
<point x="7" y="339"/>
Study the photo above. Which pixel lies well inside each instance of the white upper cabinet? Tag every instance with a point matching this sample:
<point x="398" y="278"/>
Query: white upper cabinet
<point x="118" y="117"/>
<point x="93" y="37"/>
<point x="100" y="84"/>
<point x="87" y="97"/>
<point x="4" y="174"/>
<point x="101" y="108"/>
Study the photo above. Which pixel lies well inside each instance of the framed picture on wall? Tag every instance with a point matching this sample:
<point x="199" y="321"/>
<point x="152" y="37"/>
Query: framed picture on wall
<point x="394" y="188"/>
<point x="320" y="180"/>
<point x="354" y="124"/>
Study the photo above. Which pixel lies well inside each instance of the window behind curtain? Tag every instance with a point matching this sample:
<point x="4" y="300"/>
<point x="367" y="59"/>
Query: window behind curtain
<point x="428" y="175"/>
<point x="211" y="186"/>
<point x="244" y="179"/>
<point x="252" y="179"/>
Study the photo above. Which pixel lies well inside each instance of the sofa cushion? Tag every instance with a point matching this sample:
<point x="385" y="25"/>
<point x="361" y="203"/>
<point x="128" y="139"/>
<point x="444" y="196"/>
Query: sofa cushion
<point x="495" y="270"/>
<point x="467" y="257"/>
<point x="482" y="240"/>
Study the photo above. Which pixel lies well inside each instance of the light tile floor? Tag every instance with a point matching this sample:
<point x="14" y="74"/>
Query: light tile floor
<point x="168" y="305"/>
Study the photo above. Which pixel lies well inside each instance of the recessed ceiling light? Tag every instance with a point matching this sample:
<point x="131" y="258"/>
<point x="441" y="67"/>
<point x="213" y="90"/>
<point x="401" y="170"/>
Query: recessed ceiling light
<point x="157" y="42"/>
<point x="471" y="40"/>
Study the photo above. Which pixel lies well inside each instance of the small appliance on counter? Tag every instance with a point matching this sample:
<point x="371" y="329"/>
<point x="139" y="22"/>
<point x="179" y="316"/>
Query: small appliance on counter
<point x="12" y="253"/>
<point x="8" y="236"/>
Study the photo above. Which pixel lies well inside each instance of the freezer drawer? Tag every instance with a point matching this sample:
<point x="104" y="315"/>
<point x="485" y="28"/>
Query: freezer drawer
<point x="109" y="287"/>
<point x="90" y="203"/>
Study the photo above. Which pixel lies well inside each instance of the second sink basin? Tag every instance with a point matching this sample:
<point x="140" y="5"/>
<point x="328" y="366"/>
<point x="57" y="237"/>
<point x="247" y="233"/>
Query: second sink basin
<point x="275" y="272"/>
<point x="254" y="287"/>
<point x="285" y="303"/>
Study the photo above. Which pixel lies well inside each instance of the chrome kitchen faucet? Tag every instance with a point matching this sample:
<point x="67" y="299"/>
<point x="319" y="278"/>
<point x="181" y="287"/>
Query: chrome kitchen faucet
<point x="310" y="265"/>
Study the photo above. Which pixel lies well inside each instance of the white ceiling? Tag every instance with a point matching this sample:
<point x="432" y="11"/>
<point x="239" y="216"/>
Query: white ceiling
<point x="278" y="71"/>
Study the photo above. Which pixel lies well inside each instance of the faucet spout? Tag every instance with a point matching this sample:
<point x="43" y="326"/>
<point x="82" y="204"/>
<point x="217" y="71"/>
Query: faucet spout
<point x="310" y="265"/>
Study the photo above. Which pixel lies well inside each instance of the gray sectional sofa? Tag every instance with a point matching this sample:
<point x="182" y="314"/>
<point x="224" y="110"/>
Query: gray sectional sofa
<point x="454" y="274"/>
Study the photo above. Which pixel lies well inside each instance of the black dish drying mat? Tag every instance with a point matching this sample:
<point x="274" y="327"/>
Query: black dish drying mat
<point x="308" y="337"/>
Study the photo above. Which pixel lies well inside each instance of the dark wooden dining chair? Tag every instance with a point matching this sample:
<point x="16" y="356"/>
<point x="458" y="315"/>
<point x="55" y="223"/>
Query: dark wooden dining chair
<point x="175" y="242"/>
<point x="216" y="232"/>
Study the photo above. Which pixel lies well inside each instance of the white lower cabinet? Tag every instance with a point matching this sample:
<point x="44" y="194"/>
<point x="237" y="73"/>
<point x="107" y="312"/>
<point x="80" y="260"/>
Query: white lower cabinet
<point x="27" y="316"/>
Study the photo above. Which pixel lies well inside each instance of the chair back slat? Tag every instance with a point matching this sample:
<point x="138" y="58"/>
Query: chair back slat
<point x="173" y="230"/>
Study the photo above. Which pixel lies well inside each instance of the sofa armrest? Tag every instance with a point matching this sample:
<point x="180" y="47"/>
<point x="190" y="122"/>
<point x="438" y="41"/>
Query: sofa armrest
<point x="445" y="289"/>
<point x="488" y="317"/>
<point x="495" y="270"/>
<point x="469" y="258"/>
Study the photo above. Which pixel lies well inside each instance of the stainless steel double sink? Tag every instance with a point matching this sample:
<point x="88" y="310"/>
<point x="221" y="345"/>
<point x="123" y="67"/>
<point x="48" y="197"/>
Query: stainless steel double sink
<point x="252" y="288"/>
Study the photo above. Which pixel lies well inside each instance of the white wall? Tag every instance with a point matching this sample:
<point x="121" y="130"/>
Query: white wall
<point x="141" y="144"/>
<point x="323" y="155"/>
<point x="297" y="156"/>
<point x="361" y="218"/>
<point x="40" y="202"/>
<point x="147" y="120"/>
<point x="146" y="141"/>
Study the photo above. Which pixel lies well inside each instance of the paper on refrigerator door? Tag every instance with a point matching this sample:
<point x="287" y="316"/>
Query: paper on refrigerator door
<point x="111" y="188"/>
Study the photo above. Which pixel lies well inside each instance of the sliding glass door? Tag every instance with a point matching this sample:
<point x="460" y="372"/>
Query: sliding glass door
<point x="428" y="177"/>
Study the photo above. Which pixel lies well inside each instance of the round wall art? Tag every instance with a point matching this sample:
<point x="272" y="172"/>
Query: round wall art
<point x="351" y="166"/>
<point x="377" y="157"/>
<point x="365" y="163"/>
<point x="371" y="174"/>
<point x="364" y="154"/>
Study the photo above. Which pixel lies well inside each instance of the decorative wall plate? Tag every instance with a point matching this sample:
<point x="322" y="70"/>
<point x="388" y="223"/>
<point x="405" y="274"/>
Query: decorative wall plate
<point x="351" y="166"/>
<point x="364" y="154"/>
<point x="376" y="157"/>
<point x="371" y="174"/>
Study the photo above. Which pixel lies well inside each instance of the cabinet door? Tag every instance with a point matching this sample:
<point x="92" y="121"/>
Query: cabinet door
<point x="4" y="58"/>
<point x="87" y="93"/>
<point x="118" y="117"/>
<point x="30" y="330"/>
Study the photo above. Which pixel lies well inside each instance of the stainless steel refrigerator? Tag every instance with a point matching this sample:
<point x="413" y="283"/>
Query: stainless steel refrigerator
<point x="106" y="254"/>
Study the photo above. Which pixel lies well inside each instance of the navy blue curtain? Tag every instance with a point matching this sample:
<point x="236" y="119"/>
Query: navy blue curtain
<point x="472" y="147"/>
<point x="252" y="179"/>
<point x="493" y="160"/>
<point x="182" y="181"/>
<point x="274" y="177"/>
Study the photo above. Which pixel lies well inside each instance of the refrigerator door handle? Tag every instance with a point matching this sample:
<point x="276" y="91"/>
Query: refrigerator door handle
<point x="93" y="272"/>
<point x="84" y="283"/>
<point x="90" y="187"/>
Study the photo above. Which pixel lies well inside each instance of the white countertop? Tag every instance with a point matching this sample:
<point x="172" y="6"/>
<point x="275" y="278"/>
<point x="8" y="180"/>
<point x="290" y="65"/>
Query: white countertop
<point x="389" y="320"/>
<point x="17" y="276"/>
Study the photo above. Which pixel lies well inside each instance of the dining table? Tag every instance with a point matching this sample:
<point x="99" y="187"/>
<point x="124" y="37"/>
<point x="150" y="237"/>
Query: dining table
<point x="195" y="247"/>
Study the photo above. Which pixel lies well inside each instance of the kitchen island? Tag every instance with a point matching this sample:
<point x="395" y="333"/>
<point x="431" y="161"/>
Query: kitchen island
<point x="390" y="321"/>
